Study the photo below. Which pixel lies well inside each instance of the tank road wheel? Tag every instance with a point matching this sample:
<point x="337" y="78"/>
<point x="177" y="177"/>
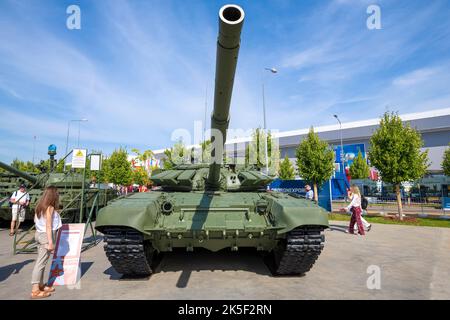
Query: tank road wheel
<point x="297" y="253"/>
<point x="127" y="251"/>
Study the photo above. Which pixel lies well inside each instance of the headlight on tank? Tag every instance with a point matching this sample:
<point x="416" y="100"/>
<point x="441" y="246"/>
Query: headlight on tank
<point x="167" y="207"/>
<point x="261" y="206"/>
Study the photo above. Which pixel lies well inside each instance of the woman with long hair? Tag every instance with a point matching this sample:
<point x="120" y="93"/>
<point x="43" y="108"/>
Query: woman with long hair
<point x="355" y="208"/>
<point x="47" y="221"/>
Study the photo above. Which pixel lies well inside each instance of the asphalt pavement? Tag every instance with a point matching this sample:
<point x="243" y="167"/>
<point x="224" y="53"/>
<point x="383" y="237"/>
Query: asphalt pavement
<point x="391" y="262"/>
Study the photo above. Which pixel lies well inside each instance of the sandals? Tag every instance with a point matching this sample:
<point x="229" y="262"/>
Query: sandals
<point x="39" y="294"/>
<point x="11" y="234"/>
<point x="47" y="289"/>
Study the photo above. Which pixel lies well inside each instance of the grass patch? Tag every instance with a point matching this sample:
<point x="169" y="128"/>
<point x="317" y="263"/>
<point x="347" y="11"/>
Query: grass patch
<point x="422" y="222"/>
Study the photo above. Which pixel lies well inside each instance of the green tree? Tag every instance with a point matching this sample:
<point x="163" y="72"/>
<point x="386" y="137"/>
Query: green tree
<point x="140" y="176"/>
<point x="119" y="169"/>
<point x="315" y="160"/>
<point x="29" y="167"/>
<point x="168" y="164"/>
<point x="101" y="176"/>
<point x="287" y="171"/>
<point x="255" y="151"/>
<point x="16" y="163"/>
<point x="446" y="162"/>
<point x="206" y="147"/>
<point x="44" y="166"/>
<point x="359" y="168"/>
<point x="395" y="152"/>
<point x="25" y="166"/>
<point x="176" y="155"/>
<point x="144" y="156"/>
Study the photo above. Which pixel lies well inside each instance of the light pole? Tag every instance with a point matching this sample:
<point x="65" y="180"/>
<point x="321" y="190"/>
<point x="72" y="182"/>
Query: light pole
<point x="342" y="146"/>
<point x="273" y="71"/>
<point x="34" y="147"/>
<point x="67" y="138"/>
<point x="204" y="126"/>
<point x="79" y="122"/>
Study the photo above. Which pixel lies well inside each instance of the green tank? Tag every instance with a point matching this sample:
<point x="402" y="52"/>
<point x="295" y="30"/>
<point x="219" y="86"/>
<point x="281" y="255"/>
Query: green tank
<point x="215" y="206"/>
<point x="69" y="186"/>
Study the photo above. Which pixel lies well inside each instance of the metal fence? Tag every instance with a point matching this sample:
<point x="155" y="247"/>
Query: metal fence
<point x="418" y="199"/>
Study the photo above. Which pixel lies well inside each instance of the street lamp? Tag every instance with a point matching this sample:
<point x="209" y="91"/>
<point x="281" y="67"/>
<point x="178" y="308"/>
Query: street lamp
<point x="79" y="121"/>
<point x="342" y="146"/>
<point x="34" y="147"/>
<point x="68" y="130"/>
<point x="273" y="71"/>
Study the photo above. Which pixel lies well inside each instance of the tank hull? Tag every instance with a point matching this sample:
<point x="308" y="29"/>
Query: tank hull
<point x="212" y="220"/>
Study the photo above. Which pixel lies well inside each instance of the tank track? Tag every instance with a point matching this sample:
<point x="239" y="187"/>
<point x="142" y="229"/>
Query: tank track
<point x="297" y="254"/>
<point x="127" y="252"/>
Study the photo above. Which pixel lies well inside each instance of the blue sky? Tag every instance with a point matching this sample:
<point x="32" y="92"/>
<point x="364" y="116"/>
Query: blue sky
<point x="137" y="69"/>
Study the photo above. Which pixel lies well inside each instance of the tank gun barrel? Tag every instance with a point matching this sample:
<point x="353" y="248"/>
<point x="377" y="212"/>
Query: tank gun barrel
<point x="231" y="19"/>
<point x="21" y="174"/>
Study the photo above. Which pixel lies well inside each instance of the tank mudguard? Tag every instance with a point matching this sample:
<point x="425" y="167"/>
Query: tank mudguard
<point x="289" y="213"/>
<point x="136" y="211"/>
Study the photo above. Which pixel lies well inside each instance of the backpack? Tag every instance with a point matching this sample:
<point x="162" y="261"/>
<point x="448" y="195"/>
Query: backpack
<point x="13" y="195"/>
<point x="364" y="203"/>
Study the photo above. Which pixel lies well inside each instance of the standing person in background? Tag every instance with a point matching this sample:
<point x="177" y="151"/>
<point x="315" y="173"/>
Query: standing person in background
<point x="47" y="221"/>
<point x="355" y="208"/>
<point x="309" y="193"/>
<point x="20" y="200"/>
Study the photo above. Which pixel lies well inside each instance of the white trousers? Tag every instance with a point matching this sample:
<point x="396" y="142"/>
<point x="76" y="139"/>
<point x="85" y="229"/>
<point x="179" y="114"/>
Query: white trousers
<point x="364" y="222"/>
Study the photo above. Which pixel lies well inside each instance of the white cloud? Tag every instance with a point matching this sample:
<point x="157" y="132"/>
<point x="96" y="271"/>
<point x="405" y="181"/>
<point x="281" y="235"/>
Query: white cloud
<point x="414" y="77"/>
<point x="309" y="57"/>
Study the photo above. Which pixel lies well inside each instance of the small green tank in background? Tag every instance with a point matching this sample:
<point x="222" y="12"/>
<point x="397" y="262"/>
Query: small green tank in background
<point x="69" y="186"/>
<point x="214" y="206"/>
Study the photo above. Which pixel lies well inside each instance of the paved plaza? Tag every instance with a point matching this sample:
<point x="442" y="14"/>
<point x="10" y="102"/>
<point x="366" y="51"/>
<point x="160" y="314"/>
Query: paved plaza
<point x="414" y="263"/>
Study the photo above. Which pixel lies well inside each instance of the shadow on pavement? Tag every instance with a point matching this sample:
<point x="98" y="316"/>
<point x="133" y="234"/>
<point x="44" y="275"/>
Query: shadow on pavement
<point x="336" y="227"/>
<point x="246" y="259"/>
<point x="91" y="238"/>
<point x="4" y="224"/>
<point x="113" y="275"/>
<point x="85" y="267"/>
<point x="7" y="271"/>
